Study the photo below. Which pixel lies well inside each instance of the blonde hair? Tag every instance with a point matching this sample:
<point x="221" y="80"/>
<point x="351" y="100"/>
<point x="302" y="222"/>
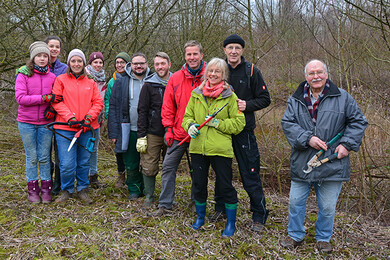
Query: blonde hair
<point x="220" y="63"/>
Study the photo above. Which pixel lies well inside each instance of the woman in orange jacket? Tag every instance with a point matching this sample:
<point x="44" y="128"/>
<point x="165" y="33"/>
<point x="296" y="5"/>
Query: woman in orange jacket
<point x="80" y="108"/>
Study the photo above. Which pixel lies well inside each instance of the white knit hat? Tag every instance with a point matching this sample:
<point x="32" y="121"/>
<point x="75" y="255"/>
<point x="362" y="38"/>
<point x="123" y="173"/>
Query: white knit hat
<point x="76" y="52"/>
<point x="38" y="47"/>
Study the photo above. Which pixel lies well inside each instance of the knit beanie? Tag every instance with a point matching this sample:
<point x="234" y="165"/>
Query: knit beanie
<point x="234" y="38"/>
<point x="76" y="52"/>
<point x="38" y="47"/>
<point x="124" y="56"/>
<point x="94" y="56"/>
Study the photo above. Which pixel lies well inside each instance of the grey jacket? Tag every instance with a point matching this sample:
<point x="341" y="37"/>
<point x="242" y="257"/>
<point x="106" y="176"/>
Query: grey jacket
<point x="337" y="112"/>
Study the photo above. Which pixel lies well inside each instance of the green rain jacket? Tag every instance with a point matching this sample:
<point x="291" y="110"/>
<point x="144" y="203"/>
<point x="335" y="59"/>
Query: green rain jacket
<point x="214" y="141"/>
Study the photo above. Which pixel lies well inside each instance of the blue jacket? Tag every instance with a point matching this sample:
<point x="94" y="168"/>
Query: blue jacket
<point x="337" y="112"/>
<point x="59" y="68"/>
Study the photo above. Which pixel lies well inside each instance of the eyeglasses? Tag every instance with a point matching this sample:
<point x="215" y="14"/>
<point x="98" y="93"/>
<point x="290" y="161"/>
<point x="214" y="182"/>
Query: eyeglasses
<point x="138" y="64"/>
<point x="318" y="73"/>
<point x="120" y="62"/>
<point x="237" y="48"/>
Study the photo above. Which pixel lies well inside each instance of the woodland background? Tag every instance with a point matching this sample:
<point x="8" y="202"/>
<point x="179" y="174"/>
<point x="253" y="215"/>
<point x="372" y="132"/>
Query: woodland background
<point x="351" y="37"/>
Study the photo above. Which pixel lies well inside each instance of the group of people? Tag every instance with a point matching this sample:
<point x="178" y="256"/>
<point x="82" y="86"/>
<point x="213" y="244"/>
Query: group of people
<point x="206" y="109"/>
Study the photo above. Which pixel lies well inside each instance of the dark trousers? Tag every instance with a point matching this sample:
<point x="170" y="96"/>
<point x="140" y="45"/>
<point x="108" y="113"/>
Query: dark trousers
<point x="223" y="181"/>
<point x="248" y="158"/>
<point x="55" y="169"/>
<point x="119" y="162"/>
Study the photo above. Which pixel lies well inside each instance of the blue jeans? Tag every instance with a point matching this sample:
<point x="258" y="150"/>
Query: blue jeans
<point x="327" y="193"/>
<point x="74" y="161"/>
<point x="37" y="145"/>
<point x="94" y="155"/>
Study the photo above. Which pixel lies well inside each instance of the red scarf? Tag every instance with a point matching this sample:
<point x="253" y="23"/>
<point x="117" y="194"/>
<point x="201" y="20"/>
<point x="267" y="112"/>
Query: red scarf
<point x="213" y="92"/>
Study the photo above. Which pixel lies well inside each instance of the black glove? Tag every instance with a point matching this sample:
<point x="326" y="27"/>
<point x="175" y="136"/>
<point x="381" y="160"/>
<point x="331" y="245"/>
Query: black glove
<point x="74" y="123"/>
<point x="49" y="113"/>
<point x="52" y="98"/>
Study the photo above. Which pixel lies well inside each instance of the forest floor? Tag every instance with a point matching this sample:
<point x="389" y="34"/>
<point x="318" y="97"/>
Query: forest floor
<point x="115" y="228"/>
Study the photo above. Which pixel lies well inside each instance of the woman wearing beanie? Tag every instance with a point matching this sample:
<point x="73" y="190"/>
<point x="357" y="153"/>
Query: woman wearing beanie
<point x="212" y="144"/>
<point x="80" y="108"/>
<point x="33" y="94"/>
<point x="96" y="72"/>
<point x="120" y="64"/>
<point x="55" y="47"/>
<point x="58" y="68"/>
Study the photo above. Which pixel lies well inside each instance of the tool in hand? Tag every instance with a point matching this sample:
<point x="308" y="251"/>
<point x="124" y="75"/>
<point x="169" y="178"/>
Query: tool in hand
<point x="314" y="162"/>
<point x="199" y="127"/>
<point x="90" y="142"/>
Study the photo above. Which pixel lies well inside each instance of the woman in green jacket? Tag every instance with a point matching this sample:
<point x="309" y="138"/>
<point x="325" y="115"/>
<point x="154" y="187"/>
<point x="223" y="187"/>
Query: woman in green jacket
<point x="212" y="144"/>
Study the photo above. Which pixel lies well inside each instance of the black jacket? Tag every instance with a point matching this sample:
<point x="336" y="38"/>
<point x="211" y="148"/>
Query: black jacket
<point x="252" y="89"/>
<point x="149" y="107"/>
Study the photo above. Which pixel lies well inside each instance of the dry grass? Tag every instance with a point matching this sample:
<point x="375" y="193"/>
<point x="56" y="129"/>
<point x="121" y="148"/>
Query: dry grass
<point x="113" y="227"/>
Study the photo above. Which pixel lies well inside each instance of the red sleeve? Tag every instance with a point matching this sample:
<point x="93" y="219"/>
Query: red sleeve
<point x="168" y="110"/>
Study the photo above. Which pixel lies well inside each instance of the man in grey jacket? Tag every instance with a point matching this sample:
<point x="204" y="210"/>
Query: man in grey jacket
<point x="316" y="113"/>
<point x="123" y="117"/>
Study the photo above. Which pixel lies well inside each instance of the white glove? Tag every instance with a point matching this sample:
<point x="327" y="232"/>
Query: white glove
<point x="142" y="144"/>
<point x="193" y="130"/>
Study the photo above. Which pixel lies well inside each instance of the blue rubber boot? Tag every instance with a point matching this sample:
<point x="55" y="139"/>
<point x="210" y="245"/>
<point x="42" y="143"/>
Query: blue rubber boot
<point x="201" y="210"/>
<point x="231" y="212"/>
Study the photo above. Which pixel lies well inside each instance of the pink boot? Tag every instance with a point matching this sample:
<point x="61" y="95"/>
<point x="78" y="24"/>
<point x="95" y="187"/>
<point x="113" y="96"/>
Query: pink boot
<point x="46" y="191"/>
<point x="33" y="191"/>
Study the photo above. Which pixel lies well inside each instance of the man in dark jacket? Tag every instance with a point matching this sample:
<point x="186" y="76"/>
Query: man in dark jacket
<point x="316" y="113"/>
<point x="253" y="95"/>
<point x="150" y="142"/>
<point x="123" y="117"/>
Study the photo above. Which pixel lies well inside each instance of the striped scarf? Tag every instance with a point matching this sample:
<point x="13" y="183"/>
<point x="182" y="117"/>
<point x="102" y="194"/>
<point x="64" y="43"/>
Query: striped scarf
<point x="313" y="108"/>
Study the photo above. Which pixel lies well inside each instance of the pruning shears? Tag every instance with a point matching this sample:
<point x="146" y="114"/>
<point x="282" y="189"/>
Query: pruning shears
<point x="199" y="127"/>
<point x="314" y="162"/>
<point x="90" y="142"/>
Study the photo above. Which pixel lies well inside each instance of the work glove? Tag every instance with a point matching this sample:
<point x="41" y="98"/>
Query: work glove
<point x="193" y="130"/>
<point x="74" y="123"/>
<point x="86" y="123"/>
<point x="168" y="137"/>
<point x="49" y="113"/>
<point x="142" y="144"/>
<point x="52" y="98"/>
<point x="213" y="122"/>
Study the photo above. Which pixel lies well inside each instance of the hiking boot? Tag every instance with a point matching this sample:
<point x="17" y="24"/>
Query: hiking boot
<point x="217" y="216"/>
<point x="290" y="243"/>
<point x="83" y="195"/>
<point x="65" y="195"/>
<point x="121" y="180"/>
<point x="257" y="227"/>
<point x="94" y="182"/>
<point x="147" y="204"/>
<point x="160" y="212"/>
<point x="46" y="191"/>
<point x="33" y="191"/>
<point x="324" y="247"/>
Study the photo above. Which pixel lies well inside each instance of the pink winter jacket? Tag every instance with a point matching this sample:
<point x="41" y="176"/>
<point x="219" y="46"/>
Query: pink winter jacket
<point x="28" y="93"/>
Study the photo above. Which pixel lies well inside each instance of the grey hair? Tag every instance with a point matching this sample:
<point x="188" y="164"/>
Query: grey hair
<point x="220" y="63"/>
<point x="323" y="63"/>
<point x="163" y="55"/>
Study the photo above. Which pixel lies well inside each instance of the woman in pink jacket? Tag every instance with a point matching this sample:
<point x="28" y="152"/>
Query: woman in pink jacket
<point x="81" y="106"/>
<point x="33" y="94"/>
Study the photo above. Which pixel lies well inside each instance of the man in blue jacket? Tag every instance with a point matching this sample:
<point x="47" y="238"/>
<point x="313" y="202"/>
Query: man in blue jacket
<point x="316" y="113"/>
<point x="123" y="118"/>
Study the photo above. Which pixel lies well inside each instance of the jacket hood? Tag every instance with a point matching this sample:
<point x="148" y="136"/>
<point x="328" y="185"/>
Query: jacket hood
<point x="154" y="78"/>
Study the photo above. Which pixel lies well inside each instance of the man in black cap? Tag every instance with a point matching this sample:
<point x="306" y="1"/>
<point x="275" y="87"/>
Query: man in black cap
<point x="253" y="95"/>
